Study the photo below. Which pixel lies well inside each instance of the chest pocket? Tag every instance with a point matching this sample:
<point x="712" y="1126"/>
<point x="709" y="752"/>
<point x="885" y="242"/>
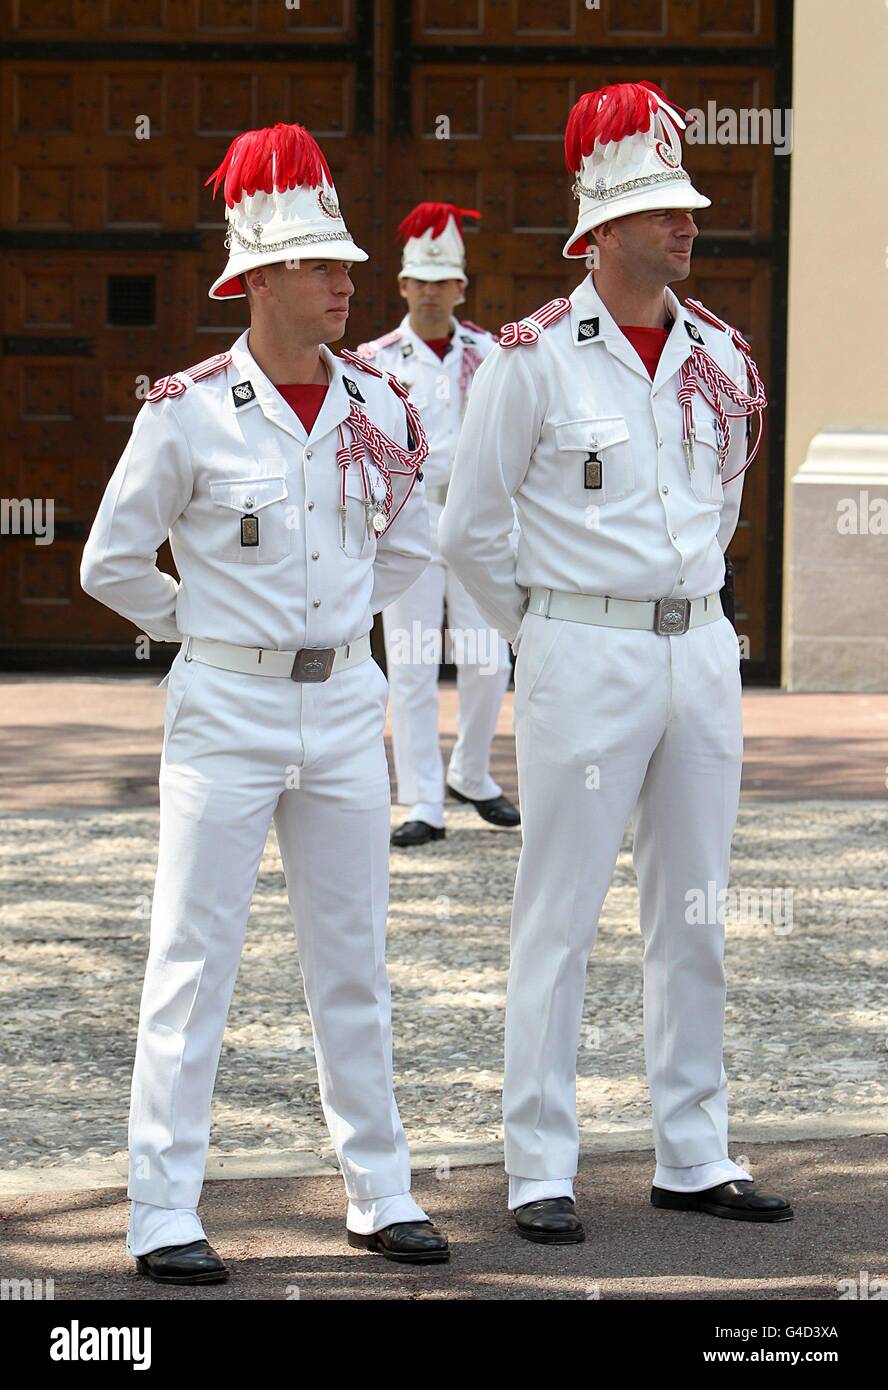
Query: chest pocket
<point x="706" y="478"/>
<point x="597" y="447"/>
<point x="252" y="521"/>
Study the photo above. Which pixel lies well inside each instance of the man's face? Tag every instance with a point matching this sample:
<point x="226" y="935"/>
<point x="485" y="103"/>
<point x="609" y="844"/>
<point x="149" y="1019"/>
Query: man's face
<point x="431" y="298"/>
<point x="651" y="246"/>
<point x="311" y="296"/>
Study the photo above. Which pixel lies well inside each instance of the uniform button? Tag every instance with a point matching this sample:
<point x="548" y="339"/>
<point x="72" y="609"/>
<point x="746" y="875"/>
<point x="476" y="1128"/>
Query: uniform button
<point x="308" y="453"/>
<point x="682" y="580"/>
<point x="249" y="502"/>
<point x="314" y="554"/>
<point x="675" y="535"/>
<point x="311" y="506"/>
<point x="665" y="487"/>
<point x="659" y="443"/>
<point x="317" y="601"/>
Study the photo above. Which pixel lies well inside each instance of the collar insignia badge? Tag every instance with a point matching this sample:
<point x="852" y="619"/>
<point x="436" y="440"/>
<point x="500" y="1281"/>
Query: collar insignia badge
<point x="243" y="393"/>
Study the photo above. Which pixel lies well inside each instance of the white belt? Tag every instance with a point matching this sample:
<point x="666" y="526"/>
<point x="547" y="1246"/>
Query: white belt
<point x="309" y="664"/>
<point x="669" y="616"/>
<point x="437" y="492"/>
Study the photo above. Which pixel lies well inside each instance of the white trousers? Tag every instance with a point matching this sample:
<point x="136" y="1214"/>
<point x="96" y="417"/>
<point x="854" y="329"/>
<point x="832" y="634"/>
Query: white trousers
<point x="608" y="722"/>
<point x="240" y="750"/>
<point x="481" y="685"/>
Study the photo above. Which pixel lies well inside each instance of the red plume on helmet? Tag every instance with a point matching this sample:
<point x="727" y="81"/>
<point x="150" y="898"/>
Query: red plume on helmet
<point x="434" y="216"/>
<point x="279" y="157"/>
<point x="612" y="113"/>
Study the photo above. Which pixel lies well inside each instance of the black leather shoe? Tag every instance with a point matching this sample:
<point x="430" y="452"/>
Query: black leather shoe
<point x="197" y="1263"/>
<point x="416" y="832"/>
<point x="736" y="1200"/>
<point x="550" y="1221"/>
<point x="408" y="1242"/>
<point x="498" y="810"/>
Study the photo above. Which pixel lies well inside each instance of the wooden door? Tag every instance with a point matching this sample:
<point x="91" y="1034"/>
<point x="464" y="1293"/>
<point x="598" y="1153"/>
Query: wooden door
<point x="110" y="241"/>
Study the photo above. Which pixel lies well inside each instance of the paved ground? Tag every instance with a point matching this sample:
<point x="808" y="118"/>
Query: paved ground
<point x="283" y="1238"/>
<point x="83" y="741"/>
<point x="806" y="1034"/>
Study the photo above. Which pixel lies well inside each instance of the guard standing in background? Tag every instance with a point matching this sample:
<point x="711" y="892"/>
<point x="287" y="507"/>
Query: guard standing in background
<point x="435" y="356"/>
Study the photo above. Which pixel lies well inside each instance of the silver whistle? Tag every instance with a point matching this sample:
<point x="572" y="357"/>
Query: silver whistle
<point x="722" y="446"/>
<point x="689" y="450"/>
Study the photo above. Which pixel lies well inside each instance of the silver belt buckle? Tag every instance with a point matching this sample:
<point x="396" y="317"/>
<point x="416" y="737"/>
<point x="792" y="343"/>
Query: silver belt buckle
<point x="672" y="616"/>
<point x="313" y="664"/>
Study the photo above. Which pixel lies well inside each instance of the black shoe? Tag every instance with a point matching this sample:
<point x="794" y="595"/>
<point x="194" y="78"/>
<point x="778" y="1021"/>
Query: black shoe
<point x="550" y="1221"/>
<point x="737" y="1200"/>
<point x="408" y="1242"/>
<point x="197" y="1263"/>
<point x="498" y="810"/>
<point x="416" y="832"/>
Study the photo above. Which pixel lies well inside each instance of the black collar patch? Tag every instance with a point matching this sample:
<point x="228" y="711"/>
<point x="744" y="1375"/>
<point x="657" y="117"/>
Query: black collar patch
<point x="693" y="331"/>
<point x="464" y="338"/>
<point x="586" y="330"/>
<point x="407" y="350"/>
<point x="243" y="393"/>
<point x="352" y="390"/>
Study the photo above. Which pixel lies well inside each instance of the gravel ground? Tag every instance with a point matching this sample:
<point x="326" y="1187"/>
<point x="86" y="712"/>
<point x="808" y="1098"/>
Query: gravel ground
<point x="806" y="1026"/>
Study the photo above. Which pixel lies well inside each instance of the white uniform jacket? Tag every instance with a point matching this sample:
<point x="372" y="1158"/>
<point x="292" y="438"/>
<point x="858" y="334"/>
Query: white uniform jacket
<point x="537" y="414"/>
<point x="438" y="387"/>
<point x="229" y="448"/>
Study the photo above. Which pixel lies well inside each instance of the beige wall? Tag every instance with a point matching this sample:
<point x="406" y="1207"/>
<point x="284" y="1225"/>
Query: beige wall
<point x="837" y="368"/>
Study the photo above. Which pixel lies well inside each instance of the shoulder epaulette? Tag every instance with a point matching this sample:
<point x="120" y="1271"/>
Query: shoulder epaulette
<point x="369" y="350"/>
<point x="364" y="366"/>
<point x="708" y="316"/>
<point x="476" y="328"/>
<point x="521" y="332"/>
<point x="360" y="362"/>
<point x="173" y="386"/>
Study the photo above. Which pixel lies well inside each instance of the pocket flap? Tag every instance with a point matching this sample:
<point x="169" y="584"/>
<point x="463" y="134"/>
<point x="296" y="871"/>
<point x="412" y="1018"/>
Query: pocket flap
<point x="248" y="494"/>
<point x="707" y="431"/>
<point x="592" y="432"/>
<point x="354" y="486"/>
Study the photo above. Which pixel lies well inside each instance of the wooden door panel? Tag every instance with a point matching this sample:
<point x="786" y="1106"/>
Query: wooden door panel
<point x="223" y="21"/>
<point x="569" y="23"/>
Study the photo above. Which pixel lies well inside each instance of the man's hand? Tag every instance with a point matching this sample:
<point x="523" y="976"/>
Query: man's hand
<point x="726" y="594"/>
